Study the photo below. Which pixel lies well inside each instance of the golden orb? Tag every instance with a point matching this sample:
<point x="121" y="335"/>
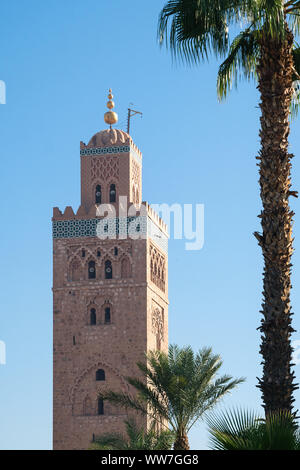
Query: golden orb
<point x="110" y="117"/>
<point x="110" y="104"/>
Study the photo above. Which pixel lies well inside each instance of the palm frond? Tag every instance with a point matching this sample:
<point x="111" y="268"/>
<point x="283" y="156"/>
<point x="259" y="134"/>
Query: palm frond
<point x="177" y="388"/>
<point x="230" y="430"/>
<point x="109" y="442"/>
<point x="196" y="28"/>
<point x="294" y="20"/>
<point x="136" y="439"/>
<point x="150" y="396"/>
<point x="244" y="430"/>
<point x="270" y="18"/>
<point x="241" y="62"/>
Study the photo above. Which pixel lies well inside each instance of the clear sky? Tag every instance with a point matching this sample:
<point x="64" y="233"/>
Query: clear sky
<point x="58" y="59"/>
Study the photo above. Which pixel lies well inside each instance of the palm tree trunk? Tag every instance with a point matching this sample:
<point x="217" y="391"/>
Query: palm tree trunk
<point x="181" y="442"/>
<point x="275" y="72"/>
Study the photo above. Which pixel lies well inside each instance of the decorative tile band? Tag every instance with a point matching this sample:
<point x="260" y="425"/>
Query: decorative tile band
<point x="122" y="227"/>
<point x="111" y="151"/>
<point x="105" y="150"/>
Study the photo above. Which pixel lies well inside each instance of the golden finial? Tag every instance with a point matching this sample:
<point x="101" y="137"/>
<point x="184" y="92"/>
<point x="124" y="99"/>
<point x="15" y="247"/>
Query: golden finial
<point x="110" y="117"/>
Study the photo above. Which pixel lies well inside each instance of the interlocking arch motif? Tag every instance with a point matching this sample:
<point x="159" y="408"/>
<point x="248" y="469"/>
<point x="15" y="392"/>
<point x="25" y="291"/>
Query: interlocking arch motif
<point x="125" y="268"/>
<point x="75" y="270"/>
<point x="157" y="268"/>
<point x="136" y="179"/>
<point x="104" y="168"/>
<point x="82" y="385"/>
<point x="158" y="326"/>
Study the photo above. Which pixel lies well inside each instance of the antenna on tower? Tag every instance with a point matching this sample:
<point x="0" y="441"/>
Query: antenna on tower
<point x="131" y="113"/>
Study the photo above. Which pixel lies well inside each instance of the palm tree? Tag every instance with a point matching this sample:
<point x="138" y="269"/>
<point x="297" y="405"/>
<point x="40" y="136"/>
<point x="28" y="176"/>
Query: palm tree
<point x="176" y="389"/>
<point x="244" y="430"/>
<point x="264" y="49"/>
<point x="137" y="439"/>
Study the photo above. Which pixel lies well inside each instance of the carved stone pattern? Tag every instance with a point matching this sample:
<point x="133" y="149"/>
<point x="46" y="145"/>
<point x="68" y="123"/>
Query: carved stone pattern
<point x="104" y="169"/>
<point x="157" y="268"/>
<point x="158" y="323"/>
<point x="136" y="173"/>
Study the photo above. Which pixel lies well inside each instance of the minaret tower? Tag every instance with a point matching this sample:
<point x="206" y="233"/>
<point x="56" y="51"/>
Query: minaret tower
<point x="110" y="288"/>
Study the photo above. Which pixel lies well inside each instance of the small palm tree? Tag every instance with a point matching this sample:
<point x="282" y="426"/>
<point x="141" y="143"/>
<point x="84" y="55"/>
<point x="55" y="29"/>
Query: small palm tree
<point x="244" y="430"/>
<point x="265" y="49"/>
<point x="136" y="439"/>
<point x="177" y="388"/>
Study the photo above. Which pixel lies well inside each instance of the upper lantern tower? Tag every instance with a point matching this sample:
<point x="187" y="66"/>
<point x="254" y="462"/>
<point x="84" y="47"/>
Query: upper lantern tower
<point x="104" y="178"/>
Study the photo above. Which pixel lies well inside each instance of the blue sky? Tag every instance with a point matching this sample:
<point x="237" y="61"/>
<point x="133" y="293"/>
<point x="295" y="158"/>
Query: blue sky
<point x="58" y="59"/>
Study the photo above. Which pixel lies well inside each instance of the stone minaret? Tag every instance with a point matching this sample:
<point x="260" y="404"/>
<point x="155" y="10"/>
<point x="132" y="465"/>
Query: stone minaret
<point x="110" y="288"/>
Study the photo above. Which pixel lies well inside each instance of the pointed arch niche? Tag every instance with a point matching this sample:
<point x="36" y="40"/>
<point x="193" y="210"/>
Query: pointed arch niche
<point x="75" y="270"/>
<point x="126" y="270"/>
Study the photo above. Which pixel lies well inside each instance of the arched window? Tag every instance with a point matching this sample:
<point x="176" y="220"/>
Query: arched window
<point x="92" y="270"/>
<point x="108" y="269"/>
<point x="112" y="193"/>
<point x="98" y="194"/>
<point x="107" y="316"/>
<point x="100" y="406"/>
<point x="100" y="375"/>
<point x="116" y="251"/>
<point x="93" y="317"/>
